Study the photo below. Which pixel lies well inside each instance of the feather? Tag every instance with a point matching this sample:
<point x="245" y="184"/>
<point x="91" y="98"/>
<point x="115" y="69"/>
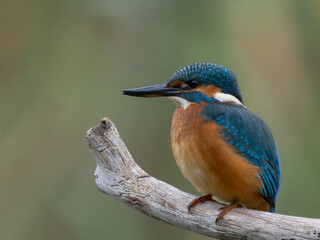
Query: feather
<point x="252" y="138"/>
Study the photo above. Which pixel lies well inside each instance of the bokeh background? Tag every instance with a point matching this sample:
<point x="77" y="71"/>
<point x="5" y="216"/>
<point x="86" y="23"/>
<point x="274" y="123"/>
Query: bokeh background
<point x="64" y="63"/>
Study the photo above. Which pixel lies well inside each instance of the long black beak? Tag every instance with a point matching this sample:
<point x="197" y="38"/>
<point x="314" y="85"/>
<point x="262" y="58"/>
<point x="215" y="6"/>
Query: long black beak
<point x="160" y="90"/>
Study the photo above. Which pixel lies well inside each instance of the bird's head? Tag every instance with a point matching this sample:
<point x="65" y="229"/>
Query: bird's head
<point x="196" y="83"/>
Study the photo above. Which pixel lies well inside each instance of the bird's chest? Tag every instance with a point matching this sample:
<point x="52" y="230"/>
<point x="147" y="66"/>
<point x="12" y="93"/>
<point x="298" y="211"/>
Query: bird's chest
<point x="188" y="142"/>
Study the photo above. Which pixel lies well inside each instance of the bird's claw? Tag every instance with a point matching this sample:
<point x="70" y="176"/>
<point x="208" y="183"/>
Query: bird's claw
<point x="201" y="199"/>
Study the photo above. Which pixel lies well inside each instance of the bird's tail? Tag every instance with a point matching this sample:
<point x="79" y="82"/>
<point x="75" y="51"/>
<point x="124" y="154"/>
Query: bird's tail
<point x="272" y="209"/>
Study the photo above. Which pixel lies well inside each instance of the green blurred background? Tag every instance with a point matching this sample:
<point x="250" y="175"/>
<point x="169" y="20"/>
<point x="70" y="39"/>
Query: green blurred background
<point x="64" y="63"/>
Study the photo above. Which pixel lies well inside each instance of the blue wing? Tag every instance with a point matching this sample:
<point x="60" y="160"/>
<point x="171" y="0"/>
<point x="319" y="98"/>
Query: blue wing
<point x="252" y="137"/>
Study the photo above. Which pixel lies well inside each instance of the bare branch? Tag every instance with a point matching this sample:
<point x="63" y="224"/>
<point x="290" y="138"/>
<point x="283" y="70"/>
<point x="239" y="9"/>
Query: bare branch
<point x="118" y="175"/>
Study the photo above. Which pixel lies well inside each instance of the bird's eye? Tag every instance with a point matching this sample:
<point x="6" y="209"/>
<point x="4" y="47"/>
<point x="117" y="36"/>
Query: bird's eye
<point x="193" y="84"/>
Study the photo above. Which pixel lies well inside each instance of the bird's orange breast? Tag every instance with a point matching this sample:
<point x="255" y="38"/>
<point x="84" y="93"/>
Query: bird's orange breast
<point x="211" y="164"/>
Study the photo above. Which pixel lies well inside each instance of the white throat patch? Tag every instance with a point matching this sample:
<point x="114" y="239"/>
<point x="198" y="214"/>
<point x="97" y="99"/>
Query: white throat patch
<point x="224" y="97"/>
<point x="181" y="102"/>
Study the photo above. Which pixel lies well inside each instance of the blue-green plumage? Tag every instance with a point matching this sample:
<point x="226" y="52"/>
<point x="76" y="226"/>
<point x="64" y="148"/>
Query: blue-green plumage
<point x="209" y="73"/>
<point x="252" y="138"/>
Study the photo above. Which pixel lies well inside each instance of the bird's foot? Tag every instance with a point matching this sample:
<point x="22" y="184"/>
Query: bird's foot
<point x="201" y="199"/>
<point x="224" y="210"/>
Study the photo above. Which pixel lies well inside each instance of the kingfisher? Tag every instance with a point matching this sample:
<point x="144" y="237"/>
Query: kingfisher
<point x="227" y="152"/>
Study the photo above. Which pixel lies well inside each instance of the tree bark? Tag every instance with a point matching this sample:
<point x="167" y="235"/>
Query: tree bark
<point x="119" y="176"/>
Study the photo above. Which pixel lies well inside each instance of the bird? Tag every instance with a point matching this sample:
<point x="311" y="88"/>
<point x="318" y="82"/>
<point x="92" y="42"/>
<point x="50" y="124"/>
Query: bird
<point x="227" y="152"/>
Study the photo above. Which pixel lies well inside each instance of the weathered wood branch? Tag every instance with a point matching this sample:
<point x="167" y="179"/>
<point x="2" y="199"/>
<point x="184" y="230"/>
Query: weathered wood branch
<point x="118" y="175"/>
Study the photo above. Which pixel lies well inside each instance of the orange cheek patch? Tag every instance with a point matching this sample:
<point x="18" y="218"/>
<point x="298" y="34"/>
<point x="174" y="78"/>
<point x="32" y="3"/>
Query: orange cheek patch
<point x="209" y="90"/>
<point x="175" y="84"/>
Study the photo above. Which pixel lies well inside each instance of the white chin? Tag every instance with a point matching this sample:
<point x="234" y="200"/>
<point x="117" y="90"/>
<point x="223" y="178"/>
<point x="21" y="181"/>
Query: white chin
<point x="181" y="102"/>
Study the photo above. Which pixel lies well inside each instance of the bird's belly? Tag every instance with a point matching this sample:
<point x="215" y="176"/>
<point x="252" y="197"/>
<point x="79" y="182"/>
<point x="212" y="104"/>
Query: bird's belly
<point x="217" y="177"/>
<point x="193" y="168"/>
